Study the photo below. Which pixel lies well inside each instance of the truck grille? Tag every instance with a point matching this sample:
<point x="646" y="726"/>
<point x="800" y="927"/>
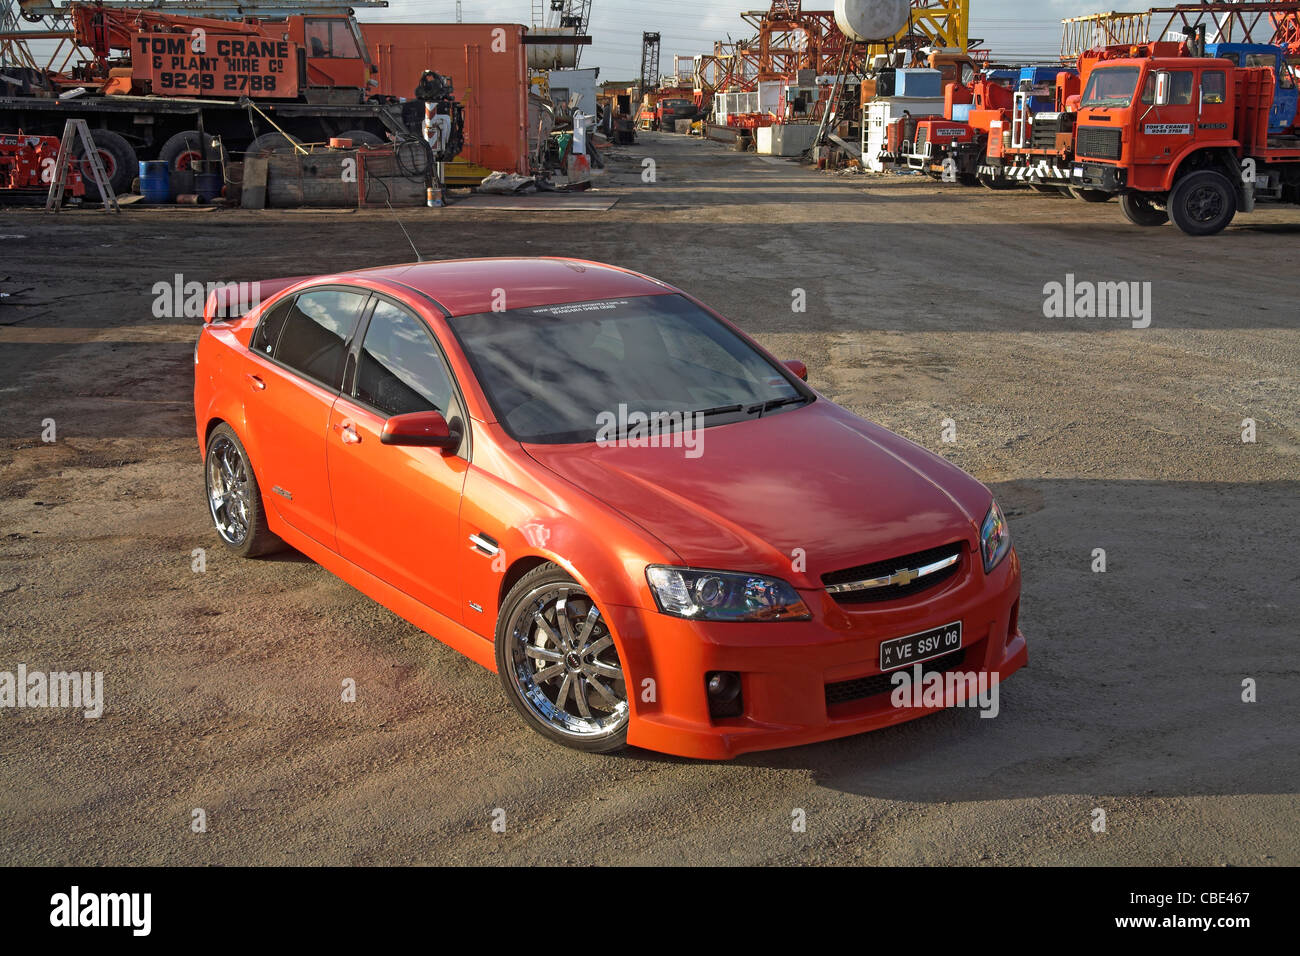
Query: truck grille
<point x="842" y="692"/>
<point x="1099" y="143"/>
<point x="922" y="135"/>
<point x="867" y="583"/>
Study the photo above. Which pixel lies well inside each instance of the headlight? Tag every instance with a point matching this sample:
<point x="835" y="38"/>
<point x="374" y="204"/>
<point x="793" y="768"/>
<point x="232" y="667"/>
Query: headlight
<point x="995" y="538"/>
<point x="724" y="595"/>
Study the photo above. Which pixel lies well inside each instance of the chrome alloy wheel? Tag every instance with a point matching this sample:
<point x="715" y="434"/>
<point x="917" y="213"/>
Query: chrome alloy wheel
<point x="227" y="481"/>
<point x="564" y="663"/>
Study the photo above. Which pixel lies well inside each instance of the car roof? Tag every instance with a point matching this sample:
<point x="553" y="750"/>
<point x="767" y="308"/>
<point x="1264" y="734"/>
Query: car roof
<point x="473" y="286"/>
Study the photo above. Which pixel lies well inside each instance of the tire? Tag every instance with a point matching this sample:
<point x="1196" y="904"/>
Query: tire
<point x="119" y="159"/>
<point x="1203" y="203"/>
<point x="234" y="496"/>
<point x="273" y="142"/>
<point x="182" y="151"/>
<point x="581" y="700"/>
<point x="1140" y="210"/>
<point x="1089" y="195"/>
<point x="361" y="137"/>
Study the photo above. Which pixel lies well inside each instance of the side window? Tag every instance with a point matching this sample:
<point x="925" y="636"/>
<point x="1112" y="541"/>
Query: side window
<point x="1214" y="87"/>
<point x="1183" y="83"/>
<point x="268" y="330"/>
<point x="316" y="333"/>
<point x="400" y="370"/>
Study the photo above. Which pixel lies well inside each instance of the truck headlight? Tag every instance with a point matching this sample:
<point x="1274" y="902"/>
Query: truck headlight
<point x="995" y="538"/>
<point x="724" y="595"/>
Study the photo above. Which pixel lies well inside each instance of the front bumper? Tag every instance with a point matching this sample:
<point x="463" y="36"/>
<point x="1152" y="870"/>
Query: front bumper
<point x="786" y="668"/>
<point x="1090" y="174"/>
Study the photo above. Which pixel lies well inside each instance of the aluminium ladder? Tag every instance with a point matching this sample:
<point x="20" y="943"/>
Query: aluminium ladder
<point x="74" y="130"/>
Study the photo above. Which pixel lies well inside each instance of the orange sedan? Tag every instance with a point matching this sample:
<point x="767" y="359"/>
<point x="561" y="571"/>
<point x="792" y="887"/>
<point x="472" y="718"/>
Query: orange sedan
<point x="584" y="479"/>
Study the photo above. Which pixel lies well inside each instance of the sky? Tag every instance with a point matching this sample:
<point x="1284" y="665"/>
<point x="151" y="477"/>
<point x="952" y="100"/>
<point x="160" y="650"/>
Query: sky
<point x="1013" y="29"/>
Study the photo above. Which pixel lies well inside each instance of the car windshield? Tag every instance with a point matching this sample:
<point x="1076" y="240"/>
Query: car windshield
<point x="592" y="371"/>
<point x="1111" y="86"/>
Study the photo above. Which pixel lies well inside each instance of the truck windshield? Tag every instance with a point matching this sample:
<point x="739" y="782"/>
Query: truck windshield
<point x="1111" y="86"/>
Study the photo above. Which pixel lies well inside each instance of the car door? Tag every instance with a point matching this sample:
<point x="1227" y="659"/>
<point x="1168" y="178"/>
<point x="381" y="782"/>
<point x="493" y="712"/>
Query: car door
<point x="294" y="369"/>
<point x="397" y="508"/>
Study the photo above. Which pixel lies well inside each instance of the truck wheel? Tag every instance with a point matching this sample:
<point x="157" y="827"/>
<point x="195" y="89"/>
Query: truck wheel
<point x="118" y="157"/>
<point x="1089" y="195"/>
<point x="996" y="183"/>
<point x="182" y="151"/>
<point x="1141" y="210"/>
<point x="274" y="142"/>
<point x="1203" y="203"/>
<point x="361" y="137"/>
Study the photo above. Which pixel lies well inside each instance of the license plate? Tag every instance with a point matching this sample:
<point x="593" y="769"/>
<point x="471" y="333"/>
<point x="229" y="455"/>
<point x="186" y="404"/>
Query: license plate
<point x="915" y="648"/>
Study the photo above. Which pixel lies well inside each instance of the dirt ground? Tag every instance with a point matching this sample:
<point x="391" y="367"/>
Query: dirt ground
<point x="924" y="303"/>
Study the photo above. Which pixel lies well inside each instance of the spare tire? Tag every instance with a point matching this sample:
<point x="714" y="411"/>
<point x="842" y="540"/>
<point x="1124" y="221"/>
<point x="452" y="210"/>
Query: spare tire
<point x="361" y="137"/>
<point x="119" y="159"/>
<point x="273" y="142"/>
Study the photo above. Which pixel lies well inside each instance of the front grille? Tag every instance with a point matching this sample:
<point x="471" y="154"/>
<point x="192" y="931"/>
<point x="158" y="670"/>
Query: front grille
<point x="846" y="691"/>
<point x="922" y="136"/>
<point x="880" y="569"/>
<point x="1099" y="143"/>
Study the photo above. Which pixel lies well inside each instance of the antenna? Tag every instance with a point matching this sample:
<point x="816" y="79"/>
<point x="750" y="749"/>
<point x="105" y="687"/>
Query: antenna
<point x="387" y="195"/>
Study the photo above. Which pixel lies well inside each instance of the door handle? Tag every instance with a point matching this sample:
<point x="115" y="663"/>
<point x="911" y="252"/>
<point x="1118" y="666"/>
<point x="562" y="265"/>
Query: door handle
<point x="256" y="382"/>
<point x="348" y="432"/>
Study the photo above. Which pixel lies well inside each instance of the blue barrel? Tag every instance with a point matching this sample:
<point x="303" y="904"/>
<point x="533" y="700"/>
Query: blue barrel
<point x="208" y="186"/>
<point x="155" y="182"/>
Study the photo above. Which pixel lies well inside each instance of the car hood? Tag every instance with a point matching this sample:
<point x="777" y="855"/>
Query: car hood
<point x="815" y="481"/>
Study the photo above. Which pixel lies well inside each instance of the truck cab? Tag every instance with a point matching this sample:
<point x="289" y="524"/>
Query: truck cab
<point x="1189" y="138"/>
<point x="1139" y="119"/>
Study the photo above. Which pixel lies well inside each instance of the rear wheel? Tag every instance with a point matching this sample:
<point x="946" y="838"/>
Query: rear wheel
<point x="1203" y="203"/>
<point x="1141" y="210"/>
<point x="118" y="157"/>
<point x="182" y="151"/>
<point x="559" y="665"/>
<point x="234" y="497"/>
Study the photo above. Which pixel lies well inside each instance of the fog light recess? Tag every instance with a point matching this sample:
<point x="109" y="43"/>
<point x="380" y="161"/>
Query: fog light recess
<point x="723" y="689"/>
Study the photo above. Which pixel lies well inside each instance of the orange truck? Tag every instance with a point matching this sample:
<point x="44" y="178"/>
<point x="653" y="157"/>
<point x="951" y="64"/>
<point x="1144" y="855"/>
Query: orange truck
<point x="160" y="82"/>
<point x="1192" y="139"/>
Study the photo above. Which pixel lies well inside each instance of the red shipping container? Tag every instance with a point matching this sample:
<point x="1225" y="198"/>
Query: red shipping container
<point x="487" y="64"/>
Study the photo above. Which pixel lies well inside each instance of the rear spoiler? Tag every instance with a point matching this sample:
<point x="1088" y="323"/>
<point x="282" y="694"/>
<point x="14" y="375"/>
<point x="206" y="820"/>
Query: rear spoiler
<point x="228" y="301"/>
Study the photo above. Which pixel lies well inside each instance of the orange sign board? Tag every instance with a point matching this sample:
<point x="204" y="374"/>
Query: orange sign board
<point x="219" y="65"/>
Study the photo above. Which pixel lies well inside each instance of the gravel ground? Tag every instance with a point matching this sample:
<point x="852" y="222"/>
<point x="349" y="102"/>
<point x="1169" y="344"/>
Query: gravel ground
<point x="924" y="303"/>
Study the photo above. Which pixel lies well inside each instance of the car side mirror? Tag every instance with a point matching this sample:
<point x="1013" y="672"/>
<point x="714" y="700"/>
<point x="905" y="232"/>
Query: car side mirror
<point x="799" y="368"/>
<point x="422" y="429"/>
<point x="1164" y="81"/>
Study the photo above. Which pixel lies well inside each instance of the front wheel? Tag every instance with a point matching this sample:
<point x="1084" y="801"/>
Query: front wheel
<point x="1203" y="203"/>
<point x="559" y="665"/>
<point x="1089" y="195"/>
<point x="1141" y="210"/>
